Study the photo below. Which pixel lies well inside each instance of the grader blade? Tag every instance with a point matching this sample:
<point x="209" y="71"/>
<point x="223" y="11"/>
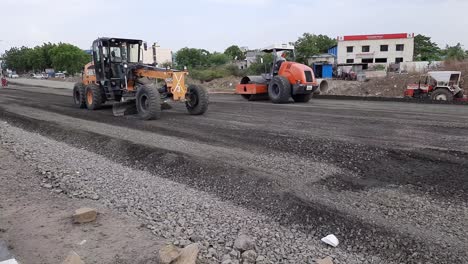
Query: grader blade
<point x="124" y="108"/>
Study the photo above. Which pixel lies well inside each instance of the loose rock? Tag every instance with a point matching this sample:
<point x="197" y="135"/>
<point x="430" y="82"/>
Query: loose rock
<point x="249" y="257"/>
<point x="168" y="253"/>
<point x="84" y="215"/>
<point x="244" y="243"/>
<point x="327" y="260"/>
<point x="73" y="258"/>
<point x="188" y="255"/>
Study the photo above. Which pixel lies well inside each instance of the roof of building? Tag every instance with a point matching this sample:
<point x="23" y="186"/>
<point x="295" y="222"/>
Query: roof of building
<point x="376" y="36"/>
<point x="278" y="47"/>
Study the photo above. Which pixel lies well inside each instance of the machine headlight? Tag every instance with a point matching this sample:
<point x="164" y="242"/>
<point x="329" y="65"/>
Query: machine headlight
<point x="125" y="66"/>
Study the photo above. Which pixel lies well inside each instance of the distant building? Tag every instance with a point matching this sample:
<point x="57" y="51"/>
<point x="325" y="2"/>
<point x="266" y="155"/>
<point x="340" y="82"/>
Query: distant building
<point x="322" y="65"/>
<point x="375" y="49"/>
<point x="157" y="55"/>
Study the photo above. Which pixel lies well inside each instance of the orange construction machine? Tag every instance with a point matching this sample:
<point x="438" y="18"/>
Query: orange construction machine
<point x="286" y="79"/>
<point x="117" y="75"/>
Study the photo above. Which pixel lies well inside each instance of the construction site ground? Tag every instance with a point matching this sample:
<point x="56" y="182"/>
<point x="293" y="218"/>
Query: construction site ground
<point x="389" y="179"/>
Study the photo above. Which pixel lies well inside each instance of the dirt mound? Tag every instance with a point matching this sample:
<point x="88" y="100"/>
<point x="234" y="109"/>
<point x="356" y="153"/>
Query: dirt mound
<point x="226" y="84"/>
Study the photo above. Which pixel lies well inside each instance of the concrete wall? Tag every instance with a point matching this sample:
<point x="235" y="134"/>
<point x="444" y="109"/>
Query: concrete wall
<point x="375" y="52"/>
<point x="419" y="66"/>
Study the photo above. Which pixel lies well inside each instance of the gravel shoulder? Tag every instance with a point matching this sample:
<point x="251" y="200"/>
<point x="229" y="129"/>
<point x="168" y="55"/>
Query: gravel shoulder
<point x="36" y="222"/>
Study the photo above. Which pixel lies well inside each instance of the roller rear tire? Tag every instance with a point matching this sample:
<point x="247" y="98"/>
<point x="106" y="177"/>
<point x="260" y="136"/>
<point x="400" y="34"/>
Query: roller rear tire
<point x="279" y="90"/>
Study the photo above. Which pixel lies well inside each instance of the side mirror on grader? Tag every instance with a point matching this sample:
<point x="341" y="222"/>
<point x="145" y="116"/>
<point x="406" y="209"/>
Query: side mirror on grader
<point x="117" y="75"/>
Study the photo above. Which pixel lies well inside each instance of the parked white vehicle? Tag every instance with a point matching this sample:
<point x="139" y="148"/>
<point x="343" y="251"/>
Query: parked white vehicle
<point x="37" y="76"/>
<point x="13" y="75"/>
<point x="60" y="75"/>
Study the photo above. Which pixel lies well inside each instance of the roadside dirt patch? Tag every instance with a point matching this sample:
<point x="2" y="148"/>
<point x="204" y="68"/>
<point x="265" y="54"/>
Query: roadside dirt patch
<point x="37" y="224"/>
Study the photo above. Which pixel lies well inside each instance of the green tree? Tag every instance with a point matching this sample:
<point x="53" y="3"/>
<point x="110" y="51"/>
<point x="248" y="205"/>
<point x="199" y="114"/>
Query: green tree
<point x="454" y="53"/>
<point x="67" y="57"/>
<point x="192" y="58"/>
<point x="235" y="53"/>
<point x="263" y="64"/>
<point x="36" y="59"/>
<point x="309" y="45"/>
<point x="425" y="49"/>
<point x="217" y="59"/>
<point x="18" y="59"/>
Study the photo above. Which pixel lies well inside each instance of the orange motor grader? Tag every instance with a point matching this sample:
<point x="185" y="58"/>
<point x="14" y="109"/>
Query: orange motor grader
<point x="117" y="75"/>
<point x="286" y="79"/>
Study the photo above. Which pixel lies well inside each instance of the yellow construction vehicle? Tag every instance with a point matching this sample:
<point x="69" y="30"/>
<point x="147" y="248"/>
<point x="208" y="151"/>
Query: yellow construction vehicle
<point x="117" y="75"/>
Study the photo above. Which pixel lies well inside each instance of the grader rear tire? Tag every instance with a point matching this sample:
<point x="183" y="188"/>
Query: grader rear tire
<point x="197" y="100"/>
<point x="148" y="102"/>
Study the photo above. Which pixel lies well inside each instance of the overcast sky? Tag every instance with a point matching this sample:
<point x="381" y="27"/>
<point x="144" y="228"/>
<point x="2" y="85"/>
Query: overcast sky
<point x="217" y="24"/>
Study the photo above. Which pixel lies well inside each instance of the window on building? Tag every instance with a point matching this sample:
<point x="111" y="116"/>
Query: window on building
<point x="398" y="60"/>
<point x="350" y="61"/>
<point x="365" y="48"/>
<point x="383" y="47"/>
<point x="367" y="60"/>
<point x="400" y="47"/>
<point x="350" y="49"/>
<point x="381" y="60"/>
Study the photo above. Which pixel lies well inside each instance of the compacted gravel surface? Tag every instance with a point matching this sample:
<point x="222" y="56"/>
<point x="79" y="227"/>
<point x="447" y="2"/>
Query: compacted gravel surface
<point x="388" y="179"/>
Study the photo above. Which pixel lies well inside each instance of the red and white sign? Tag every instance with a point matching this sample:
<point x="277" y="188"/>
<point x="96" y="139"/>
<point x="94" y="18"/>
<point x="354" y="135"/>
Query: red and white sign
<point x="377" y="37"/>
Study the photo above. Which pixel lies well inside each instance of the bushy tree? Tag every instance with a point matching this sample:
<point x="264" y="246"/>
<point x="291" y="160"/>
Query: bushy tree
<point x="309" y="45"/>
<point x="67" y="57"/>
<point x="18" y="59"/>
<point x="235" y="53"/>
<point x="192" y="58"/>
<point x="454" y="53"/>
<point x="425" y="49"/>
<point x="217" y="59"/>
<point x="259" y="67"/>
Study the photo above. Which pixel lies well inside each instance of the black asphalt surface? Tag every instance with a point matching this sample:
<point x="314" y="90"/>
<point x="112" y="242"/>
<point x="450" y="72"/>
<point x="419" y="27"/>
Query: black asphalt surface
<point x="389" y="178"/>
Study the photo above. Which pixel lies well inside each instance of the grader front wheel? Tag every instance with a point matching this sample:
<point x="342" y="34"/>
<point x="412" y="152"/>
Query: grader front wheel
<point x="93" y="97"/>
<point x="148" y="102"/>
<point x="197" y="100"/>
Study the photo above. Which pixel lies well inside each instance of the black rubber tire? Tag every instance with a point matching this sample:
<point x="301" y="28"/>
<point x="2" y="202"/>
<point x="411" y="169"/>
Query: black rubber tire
<point x="302" y="98"/>
<point x="93" y="97"/>
<point x="460" y="94"/>
<point x="279" y="90"/>
<point x="442" y="92"/>
<point x="197" y="100"/>
<point x="148" y="103"/>
<point x="78" y="95"/>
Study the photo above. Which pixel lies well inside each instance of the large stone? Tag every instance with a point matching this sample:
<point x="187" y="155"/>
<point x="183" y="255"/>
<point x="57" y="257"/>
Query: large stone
<point x="84" y="215"/>
<point x="168" y="253"/>
<point x="73" y="258"/>
<point x="188" y="255"/>
<point x="249" y="257"/>
<point x="327" y="260"/>
<point x="244" y="243"/>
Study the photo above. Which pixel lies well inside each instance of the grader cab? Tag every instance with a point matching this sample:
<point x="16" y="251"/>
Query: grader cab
<point x="117" y="75"/>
